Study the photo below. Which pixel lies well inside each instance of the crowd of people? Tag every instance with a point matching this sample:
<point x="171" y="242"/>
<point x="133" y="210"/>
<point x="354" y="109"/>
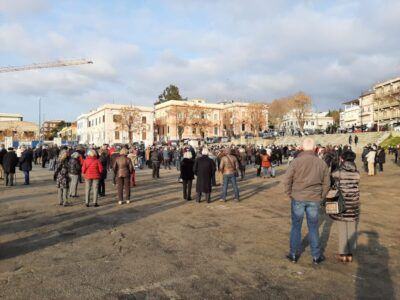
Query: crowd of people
<point x="313" y="170"/>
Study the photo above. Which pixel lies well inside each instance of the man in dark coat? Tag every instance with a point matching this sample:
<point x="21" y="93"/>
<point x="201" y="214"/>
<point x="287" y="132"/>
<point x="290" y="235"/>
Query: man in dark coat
<point x="3" y="152"/>
<point x="10" y="161"/>
<point x="45" y="156"/>
<point x="381" y="158"/>
<point x="25" y="163"/>
<point x="204" y="167"/>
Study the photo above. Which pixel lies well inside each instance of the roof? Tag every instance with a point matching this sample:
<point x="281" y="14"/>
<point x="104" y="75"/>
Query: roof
<point x="393" y="80"/>
<point x="10" y="115"/>
<point x="19" y="125"/>
<point x="354" y="101"/>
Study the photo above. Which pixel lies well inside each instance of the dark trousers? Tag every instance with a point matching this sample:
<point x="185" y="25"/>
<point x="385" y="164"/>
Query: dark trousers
<point x="380" y="167"/>
<point x="366" y="166"/>
<point x="102" y="187"/>
<point x="208" y="197"/>
<point x="26" y="177"/>
<point x="258" y="172"/>
<point x="167" y="163"/>
<point x="44" y="160"/>
<point x="156" y="169"/>
<point x="9" y="179"/>
<point x="187" y="189"/>
<point x="123" y="186"/>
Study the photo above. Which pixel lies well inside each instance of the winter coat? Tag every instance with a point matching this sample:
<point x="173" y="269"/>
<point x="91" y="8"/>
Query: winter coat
<point x="105" y="162"/>
<point x="92" y="168"/>
<point x="229" y="164"/>
<point x="123" y="166"/>
<point x="25" y="162"/>
<point x="347" y="179"/>
<point x="203" y="168"/>
<point x="187" y="169"/>
<point x="74" y="166"/>
<point x="61" y="175"/>
<point x="370" y="157"/>
<point x="10" y="161"/>
<point x="381" y="156"/>
<point x="265" y="161"/>
<point x="2" y="153"/>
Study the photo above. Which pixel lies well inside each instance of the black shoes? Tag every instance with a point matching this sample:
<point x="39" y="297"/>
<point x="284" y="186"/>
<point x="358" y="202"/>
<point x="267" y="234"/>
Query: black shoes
<point x="87" y="205"/>
<point x="96" y="205"/>
<point x="320" y="259"/>
<point x="293" y="258"/>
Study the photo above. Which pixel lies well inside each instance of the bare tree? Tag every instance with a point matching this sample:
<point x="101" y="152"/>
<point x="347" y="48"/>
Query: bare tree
<point x="199" y="119"/>
<point x="130" y="120"/>
<point x="181" y="115"/>
<point x="277" y="110"/>
<point x="256" y="116"/>
<point x="301" y="106"/>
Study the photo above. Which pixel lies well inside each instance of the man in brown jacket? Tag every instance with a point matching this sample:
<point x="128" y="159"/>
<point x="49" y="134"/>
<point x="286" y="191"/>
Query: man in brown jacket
<point x="307" y="182"/>
<point x="123" y="169"/>
<point x="229" y="168"/>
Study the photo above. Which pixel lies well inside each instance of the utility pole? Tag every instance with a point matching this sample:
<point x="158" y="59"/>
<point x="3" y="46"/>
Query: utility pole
<point x="40" y="116"/>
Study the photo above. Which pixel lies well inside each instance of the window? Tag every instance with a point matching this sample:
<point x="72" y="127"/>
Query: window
<point x="116" y="118"/>
<point x="215" y="117"/>
<point x="143" y="120"/>
<point x="117" y="135"/>
<point x="312" y="123"/>
<point x="194" y="130"/>
<point x="96" y="121"/>
<point x="104" y="118"/>
<point x="243" y="127"/>
<point x="144" y="135"/>
<point x="168" y="129"/>
<point x="215" y="130"/>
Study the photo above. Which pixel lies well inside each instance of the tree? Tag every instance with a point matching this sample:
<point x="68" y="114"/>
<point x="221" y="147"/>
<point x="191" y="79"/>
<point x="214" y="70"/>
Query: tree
<point x="130" y="120"/>
<point x="227" y="122"/>
<point x="199" y="119"/>
<point x="335" y="114"/>
<point x="55" y="130"/>
<point x="277" y="110"/>
<point x="256" y="116"/>
<point x="300" y="104"/>
<point x="171" y="92"/>
<point x="181" y="114"/>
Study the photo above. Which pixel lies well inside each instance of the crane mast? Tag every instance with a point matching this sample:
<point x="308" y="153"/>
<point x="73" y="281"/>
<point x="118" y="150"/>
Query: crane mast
<point x="54" y="64"/>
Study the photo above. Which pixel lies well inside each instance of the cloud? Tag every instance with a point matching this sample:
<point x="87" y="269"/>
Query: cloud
<point x="23" y="7"/>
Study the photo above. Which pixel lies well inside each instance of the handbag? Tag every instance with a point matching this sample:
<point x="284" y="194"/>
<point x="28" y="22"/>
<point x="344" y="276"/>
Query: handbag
<point x="335" y="202"/>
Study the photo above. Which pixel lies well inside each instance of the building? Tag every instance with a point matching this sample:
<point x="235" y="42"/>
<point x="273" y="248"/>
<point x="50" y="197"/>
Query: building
<point x="195" y="118"/>
<point x="366" y="103"/>
<point x="116" y="123"/>
<point x="351" y="116"/>
<point x="387" y="103"/>
<point x="48" y="127"/>
<point x="10" y="117"/>
<point x="68" y="133"/>
<point x="19" y="130"/>
<point x="313" y="121"/>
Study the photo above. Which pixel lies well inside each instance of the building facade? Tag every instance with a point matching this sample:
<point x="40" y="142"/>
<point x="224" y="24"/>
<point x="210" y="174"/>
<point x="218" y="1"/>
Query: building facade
<point x="351" y="117"/>
<point x="10" y="117"/>
<point x="105" y="125"/>
<point x="387" y="103"/>
<point x="313" y="121"/>
<point x="366" y="103"/>
<point x="47" y="129"/>
<point x="195" y="118"/>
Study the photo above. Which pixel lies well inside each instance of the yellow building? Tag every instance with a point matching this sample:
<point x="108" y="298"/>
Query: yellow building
<point x="68" y="133"/>
<point x="387" y="103"/>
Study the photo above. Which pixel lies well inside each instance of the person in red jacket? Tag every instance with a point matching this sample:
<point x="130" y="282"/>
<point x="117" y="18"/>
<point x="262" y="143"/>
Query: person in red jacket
<point x="92" y="169"/>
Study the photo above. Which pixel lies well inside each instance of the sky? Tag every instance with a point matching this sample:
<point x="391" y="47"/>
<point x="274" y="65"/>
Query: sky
<point x="253" y="50"/>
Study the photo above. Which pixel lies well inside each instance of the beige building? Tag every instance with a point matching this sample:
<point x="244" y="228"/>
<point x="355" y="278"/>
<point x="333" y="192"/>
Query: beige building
<point x="104" y="125"/>
<point x="366" y="103"/>
<point x="18" y="130"/>
<point x="195" y="118"/>
<point x="10" y="117"/>
<point x="387" y="103"/>
<point x="313" y="121"/>
<point x="68" y="133"/>
<point x="46" y="131"/>
<point x="351" y="115"/>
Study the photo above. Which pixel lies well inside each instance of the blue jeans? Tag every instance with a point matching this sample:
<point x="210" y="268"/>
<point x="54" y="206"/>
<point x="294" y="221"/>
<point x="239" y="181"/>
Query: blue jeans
<point x="311" y="208"/>
<point x="232" y="179"/>
<point x="270" y="170"/>
<point x="26" y="177"/>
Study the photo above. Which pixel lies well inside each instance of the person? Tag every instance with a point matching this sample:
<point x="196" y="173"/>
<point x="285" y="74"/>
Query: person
<point x="366" y="149"/>
<point x="61" y="176"/>
<point x="10" y="162"/>
<point x="92" y="170"/>
<point x="306" y="183"/>
<point x="75" y="169"/>
<point x="350" y="139"/>
<point x="123" y="169"/>
<point x="229" y="167"/>
<point x="166" y="158"/>
<point x="242" y="159"/>
<point x="203" y="169"/>
<point x="155" y="158"/>
<point x="105" y="161"/>
<point x="113" y="156"/>
<point x="257" y="163"/>
<point x="3" y="152"/>
<point x="347" y="179"/>
<point x="381" y="158"/>
<point x="370" y="158"/>
<point x="25" y="163"/>
<point x="45" y="156"/>
<point x="355" y="140"/>
<point x="133" y="157"/>
<point x="265" y="162"/>
<point x="187" y="175"/>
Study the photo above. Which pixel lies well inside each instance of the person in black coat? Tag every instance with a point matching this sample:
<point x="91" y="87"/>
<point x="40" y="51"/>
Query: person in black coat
<point x="204" y="167"/>
<point x="25" y="163"/>
<point x="381" y="158"/>
<point x="10" y="161"/>
<point x="3" y="152"/>
<point x="105" y="162"/>
<point x="187" y="175"/>
<point x="45" y="156"/>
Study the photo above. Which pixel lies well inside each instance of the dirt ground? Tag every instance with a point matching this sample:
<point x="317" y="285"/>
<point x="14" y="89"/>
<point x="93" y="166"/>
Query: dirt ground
<point x="160" y="247"/>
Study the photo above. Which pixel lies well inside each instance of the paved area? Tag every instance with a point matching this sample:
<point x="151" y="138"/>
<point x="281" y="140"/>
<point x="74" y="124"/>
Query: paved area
<point x="160" y="247"/>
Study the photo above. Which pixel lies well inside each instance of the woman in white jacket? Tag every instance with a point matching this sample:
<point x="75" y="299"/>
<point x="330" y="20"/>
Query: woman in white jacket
<point x="371" y="161"/>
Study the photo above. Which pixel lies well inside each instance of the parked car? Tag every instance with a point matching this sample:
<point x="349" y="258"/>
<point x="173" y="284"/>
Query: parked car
<point x="397" y="128"/>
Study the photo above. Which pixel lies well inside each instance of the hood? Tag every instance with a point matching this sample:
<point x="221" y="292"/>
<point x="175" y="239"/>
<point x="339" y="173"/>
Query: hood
<point x="348" y="166"/>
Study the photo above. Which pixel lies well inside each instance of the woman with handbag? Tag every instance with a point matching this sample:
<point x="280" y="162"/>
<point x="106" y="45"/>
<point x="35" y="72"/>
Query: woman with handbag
<point x="346" y="179"/>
